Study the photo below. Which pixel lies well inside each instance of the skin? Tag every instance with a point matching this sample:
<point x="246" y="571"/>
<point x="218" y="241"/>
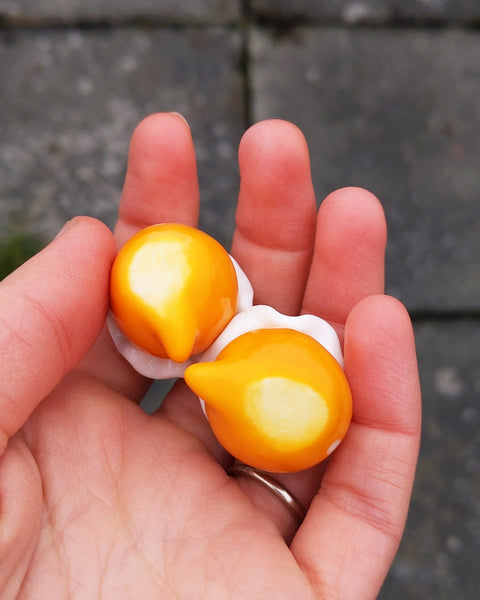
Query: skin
<point x="99" y="500"/>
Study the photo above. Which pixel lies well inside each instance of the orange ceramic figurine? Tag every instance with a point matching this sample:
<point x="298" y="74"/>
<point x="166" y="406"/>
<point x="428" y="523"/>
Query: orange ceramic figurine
<point x="272" y="386"/>
<point x="274" y="389"/>
<point x="173" y="289"/>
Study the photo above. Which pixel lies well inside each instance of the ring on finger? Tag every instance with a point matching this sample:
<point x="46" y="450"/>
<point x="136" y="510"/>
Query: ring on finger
<point x="268" y="482"/>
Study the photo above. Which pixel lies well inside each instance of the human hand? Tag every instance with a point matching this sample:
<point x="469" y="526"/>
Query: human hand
<point x="100" y="500"/>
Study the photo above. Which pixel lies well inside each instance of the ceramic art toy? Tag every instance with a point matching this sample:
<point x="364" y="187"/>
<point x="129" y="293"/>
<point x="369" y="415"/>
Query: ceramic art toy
<point x="173" y="289"/>
<point x="272" y="386"/>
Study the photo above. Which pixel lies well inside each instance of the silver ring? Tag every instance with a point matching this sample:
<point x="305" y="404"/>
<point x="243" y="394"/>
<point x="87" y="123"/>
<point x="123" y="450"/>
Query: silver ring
<point x="272" y="485"/>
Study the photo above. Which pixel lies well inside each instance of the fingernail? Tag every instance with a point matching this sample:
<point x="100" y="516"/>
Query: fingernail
<point x="67" y="226"/>
<point x="181" y="116"/>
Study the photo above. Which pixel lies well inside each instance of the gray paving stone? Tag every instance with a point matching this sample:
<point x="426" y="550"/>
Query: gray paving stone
<point x="368" y="11"/>
<point x="70" y="101"/>
<point x="191" y="11"/>
<point x="439" y="552"/>
<point x="396" y="112"/>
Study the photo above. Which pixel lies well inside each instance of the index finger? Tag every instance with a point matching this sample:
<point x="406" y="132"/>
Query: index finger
<point x="161" y="182"/>
<point x="160" y="186"/>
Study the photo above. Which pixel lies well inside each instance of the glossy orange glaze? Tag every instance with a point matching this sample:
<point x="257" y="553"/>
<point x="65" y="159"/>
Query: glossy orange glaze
<point x="173" y="289"/>
<point x="275" y="399"/>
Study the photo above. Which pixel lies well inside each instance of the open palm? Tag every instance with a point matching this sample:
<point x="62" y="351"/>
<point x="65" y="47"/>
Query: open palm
<point x="100" y="500"/>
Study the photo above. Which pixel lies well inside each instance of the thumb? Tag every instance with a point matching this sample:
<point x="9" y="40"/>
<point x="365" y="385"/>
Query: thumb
<point x="51" y="311"/>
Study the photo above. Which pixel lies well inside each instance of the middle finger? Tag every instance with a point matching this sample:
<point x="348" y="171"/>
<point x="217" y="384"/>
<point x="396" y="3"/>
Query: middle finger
<point x="276" y="214"/>
<point x="273" y="241"/>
